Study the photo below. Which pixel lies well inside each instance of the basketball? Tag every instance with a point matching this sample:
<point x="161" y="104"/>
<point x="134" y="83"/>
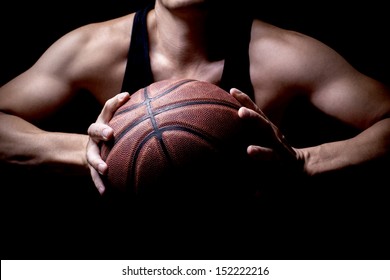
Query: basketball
<point x="174" y="135"/>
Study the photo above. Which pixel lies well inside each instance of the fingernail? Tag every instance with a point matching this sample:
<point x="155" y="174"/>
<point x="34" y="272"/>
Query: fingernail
<point x="106" y="132"/>
<point x="101" y="168"/>
<point x="122" y="96"/>
<point x="101" y="189"/>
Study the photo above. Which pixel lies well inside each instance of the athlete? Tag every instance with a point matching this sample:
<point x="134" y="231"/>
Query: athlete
<point x="265" y="67"/>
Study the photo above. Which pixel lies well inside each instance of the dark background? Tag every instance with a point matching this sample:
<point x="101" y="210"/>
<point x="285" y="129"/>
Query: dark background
<point x="337" y="216"/>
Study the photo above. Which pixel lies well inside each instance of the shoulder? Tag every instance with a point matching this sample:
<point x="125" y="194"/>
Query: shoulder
<point x="86" y="50"/>
<point x="290" y="57"/>
<point x="281" y="44"/>
<point x="96" y="35"/>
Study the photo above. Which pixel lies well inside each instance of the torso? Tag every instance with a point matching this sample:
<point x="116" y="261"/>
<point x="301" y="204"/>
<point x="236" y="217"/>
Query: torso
<point x="269" y="95"/>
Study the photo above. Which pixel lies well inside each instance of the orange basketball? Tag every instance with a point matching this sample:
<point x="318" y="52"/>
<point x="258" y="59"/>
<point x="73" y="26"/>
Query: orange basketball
<point x="175" y="134"/>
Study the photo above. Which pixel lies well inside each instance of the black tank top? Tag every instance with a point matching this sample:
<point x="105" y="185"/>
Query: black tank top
<point x="236" y="74"/>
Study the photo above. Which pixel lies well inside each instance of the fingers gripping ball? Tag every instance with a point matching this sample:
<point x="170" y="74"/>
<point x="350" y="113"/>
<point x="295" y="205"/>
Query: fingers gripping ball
<point x="174" y="133"/>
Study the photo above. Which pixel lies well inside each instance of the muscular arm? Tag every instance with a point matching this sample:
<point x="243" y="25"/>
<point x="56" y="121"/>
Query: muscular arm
<point x="35" y="95"/>
<point x="286" y="63"/>
<point x="81" y="59"/>
<point x="22" y="143"/>
<point x="361" y="102"/>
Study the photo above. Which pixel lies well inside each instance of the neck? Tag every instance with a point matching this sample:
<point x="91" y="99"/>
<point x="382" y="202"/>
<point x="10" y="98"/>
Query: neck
<point x="179" y="33"/>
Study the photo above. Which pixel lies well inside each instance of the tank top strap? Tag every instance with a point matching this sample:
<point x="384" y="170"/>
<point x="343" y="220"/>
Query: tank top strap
<point x="138" y="73"/>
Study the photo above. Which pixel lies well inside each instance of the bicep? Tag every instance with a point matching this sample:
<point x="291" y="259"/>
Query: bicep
<point x="353" y="98"/>
<point x="34" y="94"/>
<point x="39" y="91"/>
<point x="339" y="90"/>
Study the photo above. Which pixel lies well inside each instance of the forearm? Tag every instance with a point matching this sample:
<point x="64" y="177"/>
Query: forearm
<point x="370" y="144"/>
<point x="22" y="143"/>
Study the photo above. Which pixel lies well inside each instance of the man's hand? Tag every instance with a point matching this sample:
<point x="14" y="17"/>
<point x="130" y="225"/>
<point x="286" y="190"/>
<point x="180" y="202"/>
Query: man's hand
<point x="101" y="131"/>
<point x="278" y="148"/>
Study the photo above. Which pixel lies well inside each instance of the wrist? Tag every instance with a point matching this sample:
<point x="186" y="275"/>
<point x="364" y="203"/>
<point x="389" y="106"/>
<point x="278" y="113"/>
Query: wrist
<point x="64" y="152"/>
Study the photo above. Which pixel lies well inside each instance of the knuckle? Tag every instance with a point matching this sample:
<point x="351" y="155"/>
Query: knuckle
<point x="91" y="129"/>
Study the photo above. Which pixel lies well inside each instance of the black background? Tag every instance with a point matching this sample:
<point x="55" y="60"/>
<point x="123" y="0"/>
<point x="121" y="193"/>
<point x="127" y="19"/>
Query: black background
<point x="336" y="216"/>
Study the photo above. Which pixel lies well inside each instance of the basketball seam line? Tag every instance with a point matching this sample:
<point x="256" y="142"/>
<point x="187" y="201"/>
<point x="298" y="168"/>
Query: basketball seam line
<point x="152" y="134"/>
<point x="152" y="98"/>
<point x="170" y="107"/>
